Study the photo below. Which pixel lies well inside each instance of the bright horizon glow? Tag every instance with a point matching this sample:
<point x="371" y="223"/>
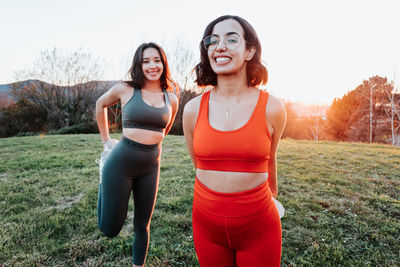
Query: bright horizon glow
<point x="315" y="51"/>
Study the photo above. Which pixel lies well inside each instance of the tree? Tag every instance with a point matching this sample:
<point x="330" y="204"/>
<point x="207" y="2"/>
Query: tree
<point x="186" y="95"/>
<point x="65" y="90"/>
<point x="290" y="130"/>
<point x="373" y="91"/>
<point x="359" y="114"/>
<point x="182" y="61"/>
<point x="341" y="116"/>
<point x="308" y="126"/>
<point x="392" y="110"/>
<point x="317" y="125"/>
<point x="19" y="118"/>
<point x="5" y="100"/>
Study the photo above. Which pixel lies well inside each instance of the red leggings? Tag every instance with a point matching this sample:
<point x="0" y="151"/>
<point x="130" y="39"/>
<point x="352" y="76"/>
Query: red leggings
<point x="236" y="229"/>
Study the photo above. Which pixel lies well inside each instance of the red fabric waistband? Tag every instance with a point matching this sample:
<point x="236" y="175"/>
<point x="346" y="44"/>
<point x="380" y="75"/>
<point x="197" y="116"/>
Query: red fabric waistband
<point x="232" y="165"/>
<point x="232" y="204"/>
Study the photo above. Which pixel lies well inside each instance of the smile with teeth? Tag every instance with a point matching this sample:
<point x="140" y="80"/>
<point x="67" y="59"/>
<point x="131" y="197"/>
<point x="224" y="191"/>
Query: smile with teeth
<point x="222" y="59"/>
<point x="154" y="72"/>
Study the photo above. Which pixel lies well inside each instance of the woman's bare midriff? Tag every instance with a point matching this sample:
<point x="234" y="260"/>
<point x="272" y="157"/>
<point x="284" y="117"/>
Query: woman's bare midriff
<point x="230" y="182"/>
<point x="143" y="136"/>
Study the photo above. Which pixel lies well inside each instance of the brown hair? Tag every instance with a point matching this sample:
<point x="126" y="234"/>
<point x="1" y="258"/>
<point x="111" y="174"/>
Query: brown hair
<point x="256" y="72"/>
<point x="136" y="72"/>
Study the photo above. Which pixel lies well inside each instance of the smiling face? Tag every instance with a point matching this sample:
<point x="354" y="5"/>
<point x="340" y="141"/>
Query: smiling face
<point x="152" y="65"/>
<point x="222" y="59"/>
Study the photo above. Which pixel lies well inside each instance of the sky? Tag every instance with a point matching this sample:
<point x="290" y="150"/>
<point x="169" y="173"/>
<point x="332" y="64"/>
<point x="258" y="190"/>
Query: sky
<point x="315" y="50"/>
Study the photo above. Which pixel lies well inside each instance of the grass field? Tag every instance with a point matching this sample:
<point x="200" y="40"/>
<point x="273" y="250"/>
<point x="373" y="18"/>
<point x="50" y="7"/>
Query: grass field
<point x="342" y="205"/>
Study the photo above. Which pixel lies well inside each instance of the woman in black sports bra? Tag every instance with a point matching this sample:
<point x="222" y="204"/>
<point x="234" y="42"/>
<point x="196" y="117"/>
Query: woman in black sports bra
<point x="148" y="111"/>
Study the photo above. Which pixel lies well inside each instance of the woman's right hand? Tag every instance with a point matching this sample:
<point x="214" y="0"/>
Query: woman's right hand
<point x="109" y="144"/>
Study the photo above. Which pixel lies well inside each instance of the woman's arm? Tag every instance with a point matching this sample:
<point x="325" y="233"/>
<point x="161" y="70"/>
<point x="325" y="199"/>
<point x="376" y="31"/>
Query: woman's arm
<point x="189" y="120"/>
<point x="175" y="105"/>
<point x="276" y="118"/>
<point x="109" y="98"/>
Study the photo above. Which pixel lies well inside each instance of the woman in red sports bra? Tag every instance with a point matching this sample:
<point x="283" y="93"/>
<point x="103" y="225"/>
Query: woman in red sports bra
<point x="232" y="133"/>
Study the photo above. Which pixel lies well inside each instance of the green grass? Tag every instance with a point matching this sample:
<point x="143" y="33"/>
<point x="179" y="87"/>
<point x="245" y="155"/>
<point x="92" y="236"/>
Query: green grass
<point x="342" y="205"/>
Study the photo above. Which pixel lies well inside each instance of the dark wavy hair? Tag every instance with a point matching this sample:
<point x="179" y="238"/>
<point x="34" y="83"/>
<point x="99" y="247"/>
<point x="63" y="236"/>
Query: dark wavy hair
<point x="136" y="73"/>
<point x="256" y="72"/>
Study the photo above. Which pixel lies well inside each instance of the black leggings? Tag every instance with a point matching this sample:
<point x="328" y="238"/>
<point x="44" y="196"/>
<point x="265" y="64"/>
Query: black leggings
<point x="135" y="167"/>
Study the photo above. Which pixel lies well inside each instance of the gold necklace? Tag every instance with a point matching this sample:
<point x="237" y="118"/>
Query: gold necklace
<point x="229" y="108"/>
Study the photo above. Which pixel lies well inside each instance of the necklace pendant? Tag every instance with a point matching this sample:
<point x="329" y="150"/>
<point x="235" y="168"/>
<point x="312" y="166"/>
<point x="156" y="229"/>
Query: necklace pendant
<point x="227" y="113"/>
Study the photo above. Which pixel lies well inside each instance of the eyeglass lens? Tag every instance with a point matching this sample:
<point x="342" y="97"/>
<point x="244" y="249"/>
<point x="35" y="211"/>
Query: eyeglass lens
<point x="231" y="41"/>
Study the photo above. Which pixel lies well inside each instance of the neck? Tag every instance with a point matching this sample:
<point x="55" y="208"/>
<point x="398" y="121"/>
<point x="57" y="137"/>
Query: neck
<point x="232" y="84"/>
<point x="152" y="86"/>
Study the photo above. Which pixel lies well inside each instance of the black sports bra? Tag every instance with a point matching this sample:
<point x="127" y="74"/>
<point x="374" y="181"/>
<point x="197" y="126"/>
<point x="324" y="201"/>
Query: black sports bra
<point x="137" y="114"/>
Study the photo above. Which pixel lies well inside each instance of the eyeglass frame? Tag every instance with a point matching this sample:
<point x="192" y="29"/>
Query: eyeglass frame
<point x="223" y="40"/>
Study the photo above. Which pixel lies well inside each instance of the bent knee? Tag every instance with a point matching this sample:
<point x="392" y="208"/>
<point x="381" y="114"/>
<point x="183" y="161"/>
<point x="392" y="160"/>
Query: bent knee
<point x="109" y="231"/>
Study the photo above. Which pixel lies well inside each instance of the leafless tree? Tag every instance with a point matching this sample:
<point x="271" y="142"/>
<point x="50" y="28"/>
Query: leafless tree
<point x="392" y="110"/>
<point x="315" y="128"/>
<point x="63" y="86"/>
<point x="372" y="90"/>
<point x="182" y="60"/>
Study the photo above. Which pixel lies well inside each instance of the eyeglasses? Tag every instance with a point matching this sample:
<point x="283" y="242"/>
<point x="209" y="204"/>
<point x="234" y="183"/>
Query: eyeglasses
<point x="231" y="41"/>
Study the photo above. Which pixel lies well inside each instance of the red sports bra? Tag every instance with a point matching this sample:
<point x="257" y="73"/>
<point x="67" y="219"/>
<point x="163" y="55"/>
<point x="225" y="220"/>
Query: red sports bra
<point x="245" y="149"/>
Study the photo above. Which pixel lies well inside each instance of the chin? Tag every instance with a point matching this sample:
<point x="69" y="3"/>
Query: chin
<point x="153" y="79"/>
<point x="223" y="71"/>
<point x="226" y="70"/>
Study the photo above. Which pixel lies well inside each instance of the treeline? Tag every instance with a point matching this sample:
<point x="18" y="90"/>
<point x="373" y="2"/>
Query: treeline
<point x="369" y="113"/>
<point x="305" y="127"/>
<point x="41" y="107"/>
<point x="65" y="103"/>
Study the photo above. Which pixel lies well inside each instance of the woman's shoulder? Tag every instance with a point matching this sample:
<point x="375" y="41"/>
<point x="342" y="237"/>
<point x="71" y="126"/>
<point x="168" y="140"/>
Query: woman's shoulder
<point x="121" y="87"/>
<point x="274" y="104"/>
<point x="172" y="96"/>
<point x="173" y="99"/>
<point x="191" y="111"/>
<point x="275" y="112"/>
<point x="193" y="104"/>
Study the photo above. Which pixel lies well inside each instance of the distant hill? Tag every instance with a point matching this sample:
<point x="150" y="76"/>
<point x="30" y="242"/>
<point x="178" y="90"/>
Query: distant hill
<point x="6" y="97"/>
<point x="6" y="89"/>
<point x="301" y="109"/>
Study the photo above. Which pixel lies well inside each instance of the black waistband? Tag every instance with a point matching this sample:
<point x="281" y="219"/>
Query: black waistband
<point x="129" y="142"/>
<point x="141" y="125"/>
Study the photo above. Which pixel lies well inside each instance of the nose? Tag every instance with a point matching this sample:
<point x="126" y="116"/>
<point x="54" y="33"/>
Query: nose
<point x="152" y="64"/>
<point x="221" y="45"/>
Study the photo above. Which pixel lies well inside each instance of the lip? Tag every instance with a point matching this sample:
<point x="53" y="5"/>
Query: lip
<point x="153" y="72"/>
<point x="222" y="59"/>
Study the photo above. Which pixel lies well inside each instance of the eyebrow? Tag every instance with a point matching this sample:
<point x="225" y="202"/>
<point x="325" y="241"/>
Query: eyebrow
<point x="157" y="57"/>
<point x="228" y="33"/>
